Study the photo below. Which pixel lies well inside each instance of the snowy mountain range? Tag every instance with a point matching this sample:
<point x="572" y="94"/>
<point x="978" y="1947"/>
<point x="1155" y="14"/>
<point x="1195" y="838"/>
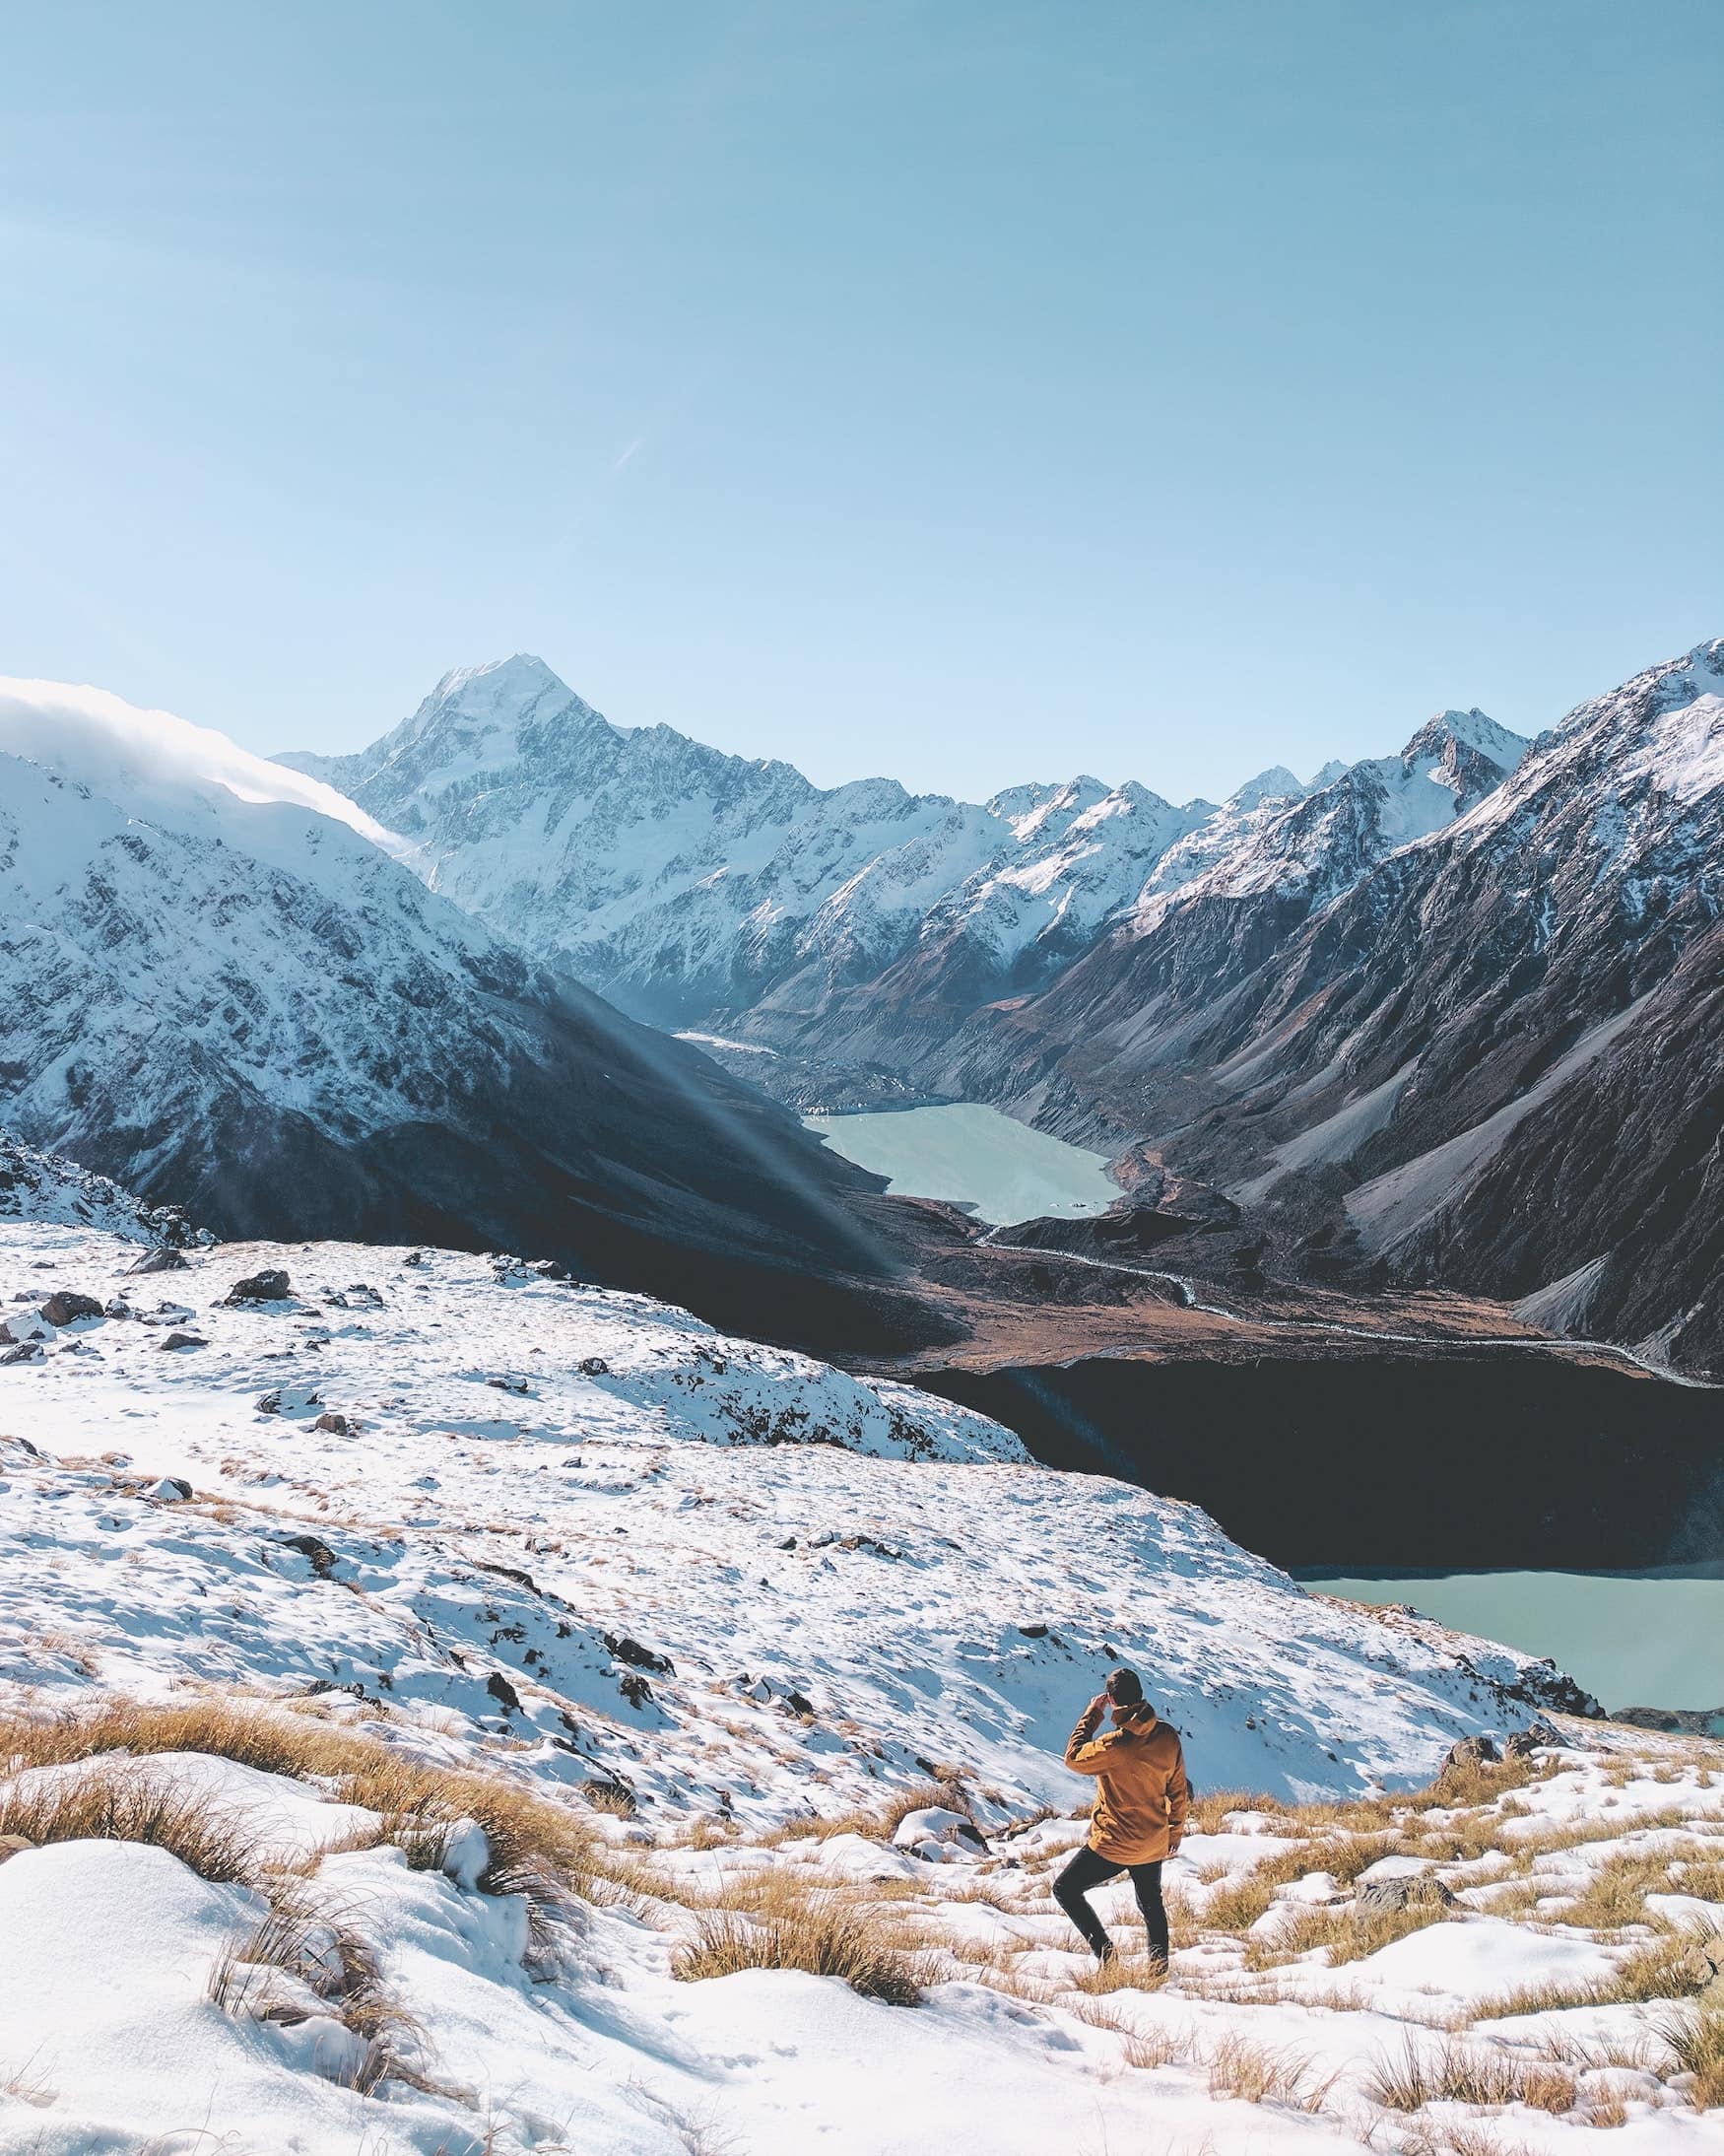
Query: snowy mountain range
<point x="1489" y="1059"/>
<point x="688" y="885"/>
<point x="1296" y="996"/>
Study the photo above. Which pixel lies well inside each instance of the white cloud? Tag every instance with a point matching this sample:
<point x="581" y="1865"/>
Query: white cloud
<point x="93" y="736"/>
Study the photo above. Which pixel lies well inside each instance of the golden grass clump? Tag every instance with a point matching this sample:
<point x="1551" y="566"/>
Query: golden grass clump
<point x="1456" y="2072"/>
<point x="1267" y="2073"/>
<point x="1694" y="2037"/>
<point x="1122" y="1972"/>
<point x="538" y="1846"/>
<point x="298" y="1745"/>
<point x="825" y="1932"/>
<point x="1616" y="1894"/>
<point x="127" y="1805"/>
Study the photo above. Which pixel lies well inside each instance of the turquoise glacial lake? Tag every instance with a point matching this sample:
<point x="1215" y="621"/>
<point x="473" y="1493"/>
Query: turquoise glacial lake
<point x="974" y="1156"/>
<point x="1653" y="1639"/>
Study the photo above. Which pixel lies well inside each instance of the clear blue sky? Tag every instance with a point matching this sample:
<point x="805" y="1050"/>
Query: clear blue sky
<point x="965" y="391"/>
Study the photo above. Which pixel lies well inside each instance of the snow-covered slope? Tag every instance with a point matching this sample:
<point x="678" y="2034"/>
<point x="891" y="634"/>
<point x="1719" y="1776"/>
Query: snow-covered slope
<point x="696" y="1625"/>
<point x="516" y="1471"/>
<point x="218" y="988"/>
<point x="46" y="1186"/>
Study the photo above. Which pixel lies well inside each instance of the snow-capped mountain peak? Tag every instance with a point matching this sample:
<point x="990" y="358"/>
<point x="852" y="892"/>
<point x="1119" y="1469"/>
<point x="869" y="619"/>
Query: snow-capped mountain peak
<point x="1276" y="783"/>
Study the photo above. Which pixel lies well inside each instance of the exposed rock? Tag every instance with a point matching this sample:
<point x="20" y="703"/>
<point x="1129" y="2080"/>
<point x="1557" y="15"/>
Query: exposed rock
<point x="638" y="1657"/>
<point x="511" y="1572"/>
<point x="285" y="1400"/>
<point x="13" y="1845"/>
<point x="268" y="1286"/>
<point x="335" y="1424"/>
<point x="183" y="1340"/>
<point x="1523" y="1743"/>
<point x="594" y="1366"/>
<point x="501" y="1690"/>
<point x="318" y="1554"/>
<point x="163" y="1260"/>
<point x="936" y="1833"/>
<point x="610" y="1797"/>
<point x="65" y="1307"/>
<point x="26" y="1351"/>
<point x="1379" y="1895"/>
<point x="1702" y="1722"/>
<point x="171" y="1490"/>
<point x="1470" y="1752"/>
<point x="1034" y="1632"/>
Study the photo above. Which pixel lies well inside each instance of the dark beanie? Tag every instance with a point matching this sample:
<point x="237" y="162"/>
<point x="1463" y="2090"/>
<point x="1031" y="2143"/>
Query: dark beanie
<point x="1124" y="1687"/>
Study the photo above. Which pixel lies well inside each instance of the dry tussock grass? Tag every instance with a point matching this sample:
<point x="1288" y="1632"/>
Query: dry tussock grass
<point x="120" y="1805"/>
<point x="1694" y="2038"/>
<point x="1122" y="1972"/>
<point x="826" y="1933"/>
<point x="538" y="1846"/>
<point x="1666" y="1968"/>
<point x="1266" y="2073"/>
<point x="1148" y="2049"/>
<point x="298" y="1745"/>
<point x="1460" y="2138"/>
<point x="1347" y="1933"/>
<point x="1459" y="2072"/>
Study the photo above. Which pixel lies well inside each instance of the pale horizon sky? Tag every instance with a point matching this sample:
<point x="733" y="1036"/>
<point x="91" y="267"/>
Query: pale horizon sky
<point x="968" y="393"/>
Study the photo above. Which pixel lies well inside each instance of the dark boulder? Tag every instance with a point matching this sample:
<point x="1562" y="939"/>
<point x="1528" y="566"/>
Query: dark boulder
<point x="158" y="1262"/>
<point x="268" y="1286"/>
<point x="1523" y="1743"/>
<point x="65" y="1307"/>
<point x="638" y="1657"/>
<point x="317" y="1554"/>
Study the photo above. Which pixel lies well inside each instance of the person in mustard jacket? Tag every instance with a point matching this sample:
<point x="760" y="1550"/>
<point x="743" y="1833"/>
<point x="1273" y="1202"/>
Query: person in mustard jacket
<point x="1142" y="1799"/>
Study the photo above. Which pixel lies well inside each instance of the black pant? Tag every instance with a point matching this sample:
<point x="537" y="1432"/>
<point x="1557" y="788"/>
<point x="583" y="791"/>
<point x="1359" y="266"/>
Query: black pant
<point x="1088" y="1869"/>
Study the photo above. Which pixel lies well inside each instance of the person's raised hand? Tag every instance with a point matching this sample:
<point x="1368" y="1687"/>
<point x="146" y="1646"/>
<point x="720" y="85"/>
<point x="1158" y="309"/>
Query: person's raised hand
<point x="1099" y="1704"/>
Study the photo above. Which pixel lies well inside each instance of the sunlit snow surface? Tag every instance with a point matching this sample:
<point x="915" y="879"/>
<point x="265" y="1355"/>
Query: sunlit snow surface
<point x="972" y="1155"/>
<point x="743" y="1584"/>
<point x="768" y="1523"/>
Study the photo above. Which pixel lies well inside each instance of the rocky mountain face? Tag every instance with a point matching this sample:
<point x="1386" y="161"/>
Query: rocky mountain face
<point x="1490" y="1060"/>
<point x="46" y="1187"/>
<point x="215" y="987"/>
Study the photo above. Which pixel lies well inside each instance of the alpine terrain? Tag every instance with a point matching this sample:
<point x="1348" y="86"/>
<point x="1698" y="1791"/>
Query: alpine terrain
<point x="451" y="1711"/>
<point x="1448" y="1017"/>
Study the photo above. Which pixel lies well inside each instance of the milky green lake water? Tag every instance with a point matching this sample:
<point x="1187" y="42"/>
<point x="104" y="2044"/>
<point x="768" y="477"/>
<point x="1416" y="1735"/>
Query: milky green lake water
<point x="1631" y="1638"/>
<point x="975" y="1156"/>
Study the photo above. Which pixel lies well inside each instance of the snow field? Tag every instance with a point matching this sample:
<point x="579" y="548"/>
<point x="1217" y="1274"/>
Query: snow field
<point x="523" y="1649"/>
<point x="408" y="2000"/>
<point x="729" y="1578"/>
